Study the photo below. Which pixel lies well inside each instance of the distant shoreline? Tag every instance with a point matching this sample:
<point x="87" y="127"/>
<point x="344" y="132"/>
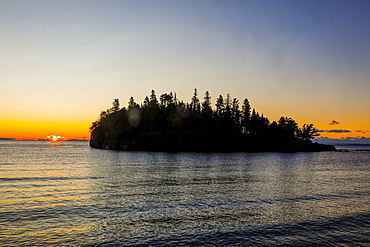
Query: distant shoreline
<point x="16" y="139"/>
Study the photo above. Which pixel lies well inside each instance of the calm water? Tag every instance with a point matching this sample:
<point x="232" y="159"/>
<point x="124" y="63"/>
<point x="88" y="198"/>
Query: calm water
<point x="75" y="195"/>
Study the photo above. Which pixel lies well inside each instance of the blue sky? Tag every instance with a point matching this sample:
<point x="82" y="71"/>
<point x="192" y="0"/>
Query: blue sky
<point x="64" y="61"/>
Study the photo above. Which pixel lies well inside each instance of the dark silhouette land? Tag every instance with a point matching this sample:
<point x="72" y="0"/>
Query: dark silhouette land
<point x="170" y="125"/>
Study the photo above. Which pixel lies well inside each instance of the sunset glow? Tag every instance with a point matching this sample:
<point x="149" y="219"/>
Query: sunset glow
<point x="21" y="130"/>
<point x="55" y="138"/>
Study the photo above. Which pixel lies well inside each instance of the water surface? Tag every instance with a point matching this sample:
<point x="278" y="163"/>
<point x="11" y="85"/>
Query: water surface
<point x="75" y="195"/>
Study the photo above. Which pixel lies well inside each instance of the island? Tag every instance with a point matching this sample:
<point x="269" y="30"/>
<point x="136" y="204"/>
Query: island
<point x="170" y="125"/>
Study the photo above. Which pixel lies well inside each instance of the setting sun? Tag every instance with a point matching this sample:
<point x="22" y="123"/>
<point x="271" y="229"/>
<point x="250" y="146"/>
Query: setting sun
<point x="55" y="138"/>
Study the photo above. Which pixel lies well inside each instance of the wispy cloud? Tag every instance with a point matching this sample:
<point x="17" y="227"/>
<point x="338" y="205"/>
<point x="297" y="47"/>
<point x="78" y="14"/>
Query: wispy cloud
<point x="335" y="131"/>
<point x="346" y="140"/>
<point x="363" y="131"/>
<point x="333" y="122"/>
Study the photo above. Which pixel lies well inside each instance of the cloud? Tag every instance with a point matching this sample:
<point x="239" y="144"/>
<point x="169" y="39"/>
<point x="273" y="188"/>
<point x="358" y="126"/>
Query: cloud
<point x="346" y="140"/>
<point x="335" y="131"/>
<point x="338" y="131"/>
<point x="333" y="122"/>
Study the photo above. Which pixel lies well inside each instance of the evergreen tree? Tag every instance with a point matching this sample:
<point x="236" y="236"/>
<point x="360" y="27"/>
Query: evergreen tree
<point x="308" y="132"/>
<point x="115" y="106"/>
<point x="288" y="128"/>
<point x="153" y="99"/>
<point x="207" y="121"/>
<point x="220" y="107"/>
<point x="146" y="103"/>
<point x="228" y="104"/>
<point x="246" y="108"/>
<point x="194" y="104"/>
<point x="253" y="123"/>
<point x="132" y="103"/>
<point x="206" y="105"/>
<point x="235" y="112"/>
<point x="166" y="100"/>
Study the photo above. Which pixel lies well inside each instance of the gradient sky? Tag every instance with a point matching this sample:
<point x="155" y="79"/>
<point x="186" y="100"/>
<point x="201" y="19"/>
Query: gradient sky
<point x="62" y="62"/>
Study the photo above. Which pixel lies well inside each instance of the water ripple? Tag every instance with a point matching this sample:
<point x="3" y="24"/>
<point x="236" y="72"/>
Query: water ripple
<point x="77" y="196"/>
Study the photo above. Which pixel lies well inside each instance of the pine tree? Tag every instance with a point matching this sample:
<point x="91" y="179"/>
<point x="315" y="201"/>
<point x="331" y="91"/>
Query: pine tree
<point x="115" y="106"/>
<point x="246" y="108"/>
<point x="235" y="112"/>
<point x="308" y="132"/>
<point x="220" y="107"/>
<point x="153" y="99"/>
<point x="146" y="103"/>
<point x="132" y="103"/>
<point x="206" y="105"/>
<point x="194" y="104"/>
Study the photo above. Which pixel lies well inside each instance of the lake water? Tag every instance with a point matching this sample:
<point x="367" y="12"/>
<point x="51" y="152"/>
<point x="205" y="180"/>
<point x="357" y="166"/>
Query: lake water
<point x="74" y="195"/>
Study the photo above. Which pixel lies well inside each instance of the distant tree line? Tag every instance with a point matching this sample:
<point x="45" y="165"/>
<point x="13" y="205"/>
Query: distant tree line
<point x="168" y="124"/>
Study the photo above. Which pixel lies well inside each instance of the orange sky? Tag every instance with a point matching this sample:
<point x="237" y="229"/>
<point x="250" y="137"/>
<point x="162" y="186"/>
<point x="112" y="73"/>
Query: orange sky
<point x="39" y="130"/>
<point x="34" y="130"/>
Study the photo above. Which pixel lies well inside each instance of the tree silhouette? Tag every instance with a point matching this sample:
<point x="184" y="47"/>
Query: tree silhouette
<point x="132" y="103"/>
<point x="146" y="103"/>
<point x="206" y="105"/>
<point x="153" y="99"/>
<point x="115" y="107"/>
<point x="194" y="104"/>
<point x="288" y="128"/>
<point x="220" y="107"/>
<point x="172" y="125"/>
<point x="308" y="132"/>
<point x="245" y="116"/>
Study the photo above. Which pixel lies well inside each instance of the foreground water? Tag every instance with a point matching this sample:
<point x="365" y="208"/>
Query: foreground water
<point x="75" y="195"/>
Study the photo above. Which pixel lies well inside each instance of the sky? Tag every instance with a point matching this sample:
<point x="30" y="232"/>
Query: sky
<point x="62" y="62"/>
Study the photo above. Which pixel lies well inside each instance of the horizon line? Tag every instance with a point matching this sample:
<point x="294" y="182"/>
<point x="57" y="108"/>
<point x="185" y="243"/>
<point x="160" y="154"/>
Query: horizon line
<point x="345" y="142"/>
<point x="37" y="139"/>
